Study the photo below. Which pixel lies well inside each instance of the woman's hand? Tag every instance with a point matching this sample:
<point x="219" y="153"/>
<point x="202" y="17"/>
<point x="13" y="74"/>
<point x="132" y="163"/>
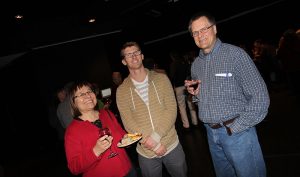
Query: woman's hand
<point x="102" y="144"/>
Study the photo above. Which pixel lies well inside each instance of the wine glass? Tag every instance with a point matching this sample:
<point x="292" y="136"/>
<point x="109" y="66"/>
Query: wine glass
<point x="195" y="85"/>
<point x="105" y="131"/>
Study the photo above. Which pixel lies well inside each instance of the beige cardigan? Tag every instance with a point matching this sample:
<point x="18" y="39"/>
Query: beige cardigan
<point x="157" y="119"/>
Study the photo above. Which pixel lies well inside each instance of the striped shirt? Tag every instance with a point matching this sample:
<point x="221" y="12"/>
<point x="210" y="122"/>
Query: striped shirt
<point x="142" y="89"/>
<point x="230" y="86"/>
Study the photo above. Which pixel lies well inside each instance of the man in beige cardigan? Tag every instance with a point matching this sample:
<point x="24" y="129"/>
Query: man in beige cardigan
<point x="147" y="105"/>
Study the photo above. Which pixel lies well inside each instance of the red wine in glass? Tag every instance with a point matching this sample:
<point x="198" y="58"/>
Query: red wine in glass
<point x="195" y="85"/>
<point x="105" y="131"/>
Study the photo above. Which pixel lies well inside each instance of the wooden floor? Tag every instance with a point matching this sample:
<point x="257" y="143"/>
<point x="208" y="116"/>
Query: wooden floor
<point x="278" y="133"/>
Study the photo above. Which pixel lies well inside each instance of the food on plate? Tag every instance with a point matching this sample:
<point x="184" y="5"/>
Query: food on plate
<point x="134" y="136"/>
<point x="129" y="139"/>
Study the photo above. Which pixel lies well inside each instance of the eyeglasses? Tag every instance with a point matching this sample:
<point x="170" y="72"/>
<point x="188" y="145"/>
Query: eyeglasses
<point x="89" y="92"/>
<point x="131" y="55"/>
<point x="201" y="31"/>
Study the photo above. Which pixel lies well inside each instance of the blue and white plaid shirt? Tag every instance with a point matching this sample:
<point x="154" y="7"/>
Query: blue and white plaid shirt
<point x="230" y="86"/>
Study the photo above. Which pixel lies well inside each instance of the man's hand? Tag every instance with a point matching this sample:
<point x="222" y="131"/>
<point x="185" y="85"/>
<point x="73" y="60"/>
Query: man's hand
<point x="189" y="84"/>
<point x="149" y="143"/>
<point x="161" y="150"/>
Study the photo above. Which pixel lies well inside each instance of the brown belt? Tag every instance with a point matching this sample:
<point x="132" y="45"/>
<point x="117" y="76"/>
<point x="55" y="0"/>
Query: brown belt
<point x="225" y="123"/>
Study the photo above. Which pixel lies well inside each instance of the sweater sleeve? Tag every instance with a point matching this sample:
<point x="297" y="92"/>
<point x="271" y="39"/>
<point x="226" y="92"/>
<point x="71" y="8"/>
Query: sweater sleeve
<point x="169" y="113"/>
<point x="80" y="157"/>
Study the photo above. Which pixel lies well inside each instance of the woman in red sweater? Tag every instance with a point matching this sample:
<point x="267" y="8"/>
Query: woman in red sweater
<point x="86" y="153"/>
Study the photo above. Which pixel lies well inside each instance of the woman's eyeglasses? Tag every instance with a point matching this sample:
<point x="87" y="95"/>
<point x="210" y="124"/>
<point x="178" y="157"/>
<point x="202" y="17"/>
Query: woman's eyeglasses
<point x="84" y="94"/>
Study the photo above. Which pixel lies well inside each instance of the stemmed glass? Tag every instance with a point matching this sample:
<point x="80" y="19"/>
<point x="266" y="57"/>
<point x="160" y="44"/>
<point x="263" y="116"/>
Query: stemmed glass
<point x="105" y="131"/>
<point x="195" y="85"/>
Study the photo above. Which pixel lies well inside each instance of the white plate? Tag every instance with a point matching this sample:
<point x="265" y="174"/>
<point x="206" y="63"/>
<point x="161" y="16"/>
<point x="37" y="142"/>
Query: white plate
<point x="128" y="141"/>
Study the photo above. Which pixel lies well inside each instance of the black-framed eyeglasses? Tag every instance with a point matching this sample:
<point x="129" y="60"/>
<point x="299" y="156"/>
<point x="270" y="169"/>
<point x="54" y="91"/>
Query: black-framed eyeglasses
<point x="89" y="92"/>
<point x="201" y="31"/>
<point x="131" y="55"/>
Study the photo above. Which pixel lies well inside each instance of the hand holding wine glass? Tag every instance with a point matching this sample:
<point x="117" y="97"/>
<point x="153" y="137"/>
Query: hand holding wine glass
<point x="193" y="88"/>
<point x="102" y="144"/>
<point x="195" y="85"/>
<point x="105" y="131"/>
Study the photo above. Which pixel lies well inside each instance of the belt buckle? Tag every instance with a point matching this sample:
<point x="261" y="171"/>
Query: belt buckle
<point x="215" y="126"/>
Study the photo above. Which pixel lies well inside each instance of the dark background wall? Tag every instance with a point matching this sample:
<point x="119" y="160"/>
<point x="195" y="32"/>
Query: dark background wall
<point x="29" y="83"/>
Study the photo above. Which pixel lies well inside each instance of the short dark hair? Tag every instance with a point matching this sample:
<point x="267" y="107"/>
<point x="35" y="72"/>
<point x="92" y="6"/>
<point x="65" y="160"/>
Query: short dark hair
<point x="128" y="44"/>
<point x="200" y="14"/>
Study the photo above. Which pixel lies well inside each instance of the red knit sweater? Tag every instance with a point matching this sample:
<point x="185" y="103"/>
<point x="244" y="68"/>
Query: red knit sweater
<point x="81" y="137"/>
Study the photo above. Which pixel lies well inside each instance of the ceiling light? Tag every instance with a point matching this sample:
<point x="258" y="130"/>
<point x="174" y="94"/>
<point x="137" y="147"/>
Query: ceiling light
<point x="92" y="20"/>
<point x="18" y="16"/>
